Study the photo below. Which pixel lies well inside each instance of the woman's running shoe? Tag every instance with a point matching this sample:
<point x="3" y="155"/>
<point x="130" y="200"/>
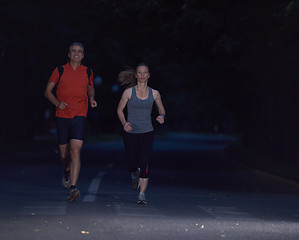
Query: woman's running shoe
<point x="141" y="198"/>
<point x="135" y="180"/>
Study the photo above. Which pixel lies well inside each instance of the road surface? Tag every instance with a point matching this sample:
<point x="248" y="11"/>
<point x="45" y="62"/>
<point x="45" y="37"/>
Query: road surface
<point x="195" y="192"/>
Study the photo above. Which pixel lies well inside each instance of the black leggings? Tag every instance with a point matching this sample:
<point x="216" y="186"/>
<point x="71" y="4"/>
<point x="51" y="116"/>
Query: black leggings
<point x="139" y="150"/>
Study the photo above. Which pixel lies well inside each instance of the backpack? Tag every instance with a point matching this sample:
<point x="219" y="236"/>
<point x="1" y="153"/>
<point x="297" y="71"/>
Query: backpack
<point x="61" y="69"/>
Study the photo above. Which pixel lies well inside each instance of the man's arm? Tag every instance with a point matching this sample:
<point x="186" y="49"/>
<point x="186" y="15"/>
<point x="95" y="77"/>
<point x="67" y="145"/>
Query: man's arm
<point x="91" y="93"/>
<point x="50" y="96"/>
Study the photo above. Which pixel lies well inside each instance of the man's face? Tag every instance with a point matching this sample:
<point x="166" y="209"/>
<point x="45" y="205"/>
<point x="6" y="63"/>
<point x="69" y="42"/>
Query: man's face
<point x="76" y="54"/>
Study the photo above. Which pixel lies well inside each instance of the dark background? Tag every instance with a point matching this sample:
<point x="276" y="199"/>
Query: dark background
<point x="221" y="66"/>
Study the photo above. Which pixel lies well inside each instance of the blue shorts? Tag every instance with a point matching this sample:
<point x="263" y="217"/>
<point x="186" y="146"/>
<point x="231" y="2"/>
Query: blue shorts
<point x="70" y="128"/>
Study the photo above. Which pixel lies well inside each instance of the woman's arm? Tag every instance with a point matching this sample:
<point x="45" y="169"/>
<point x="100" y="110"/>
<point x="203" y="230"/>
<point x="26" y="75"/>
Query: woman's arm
<point x="120" y="109"/>
<point x="159" y="104"/>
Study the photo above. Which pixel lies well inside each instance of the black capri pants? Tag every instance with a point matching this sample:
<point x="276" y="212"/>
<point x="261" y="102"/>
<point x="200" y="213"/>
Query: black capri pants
<point x="139" y="150"/>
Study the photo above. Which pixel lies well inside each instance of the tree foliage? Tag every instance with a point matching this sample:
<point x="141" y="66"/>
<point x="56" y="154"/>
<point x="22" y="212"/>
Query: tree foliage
<point x="230" y="64"/>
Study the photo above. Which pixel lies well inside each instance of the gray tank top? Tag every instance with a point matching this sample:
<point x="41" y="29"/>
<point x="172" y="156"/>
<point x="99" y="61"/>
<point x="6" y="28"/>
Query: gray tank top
<point x="139" y="112"/>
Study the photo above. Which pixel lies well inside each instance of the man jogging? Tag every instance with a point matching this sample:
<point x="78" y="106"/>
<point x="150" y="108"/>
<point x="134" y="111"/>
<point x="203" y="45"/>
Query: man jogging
<point x="74" y="87"/>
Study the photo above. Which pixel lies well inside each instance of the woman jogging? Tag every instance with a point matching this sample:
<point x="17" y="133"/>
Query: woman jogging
<point x="138" y="129"/>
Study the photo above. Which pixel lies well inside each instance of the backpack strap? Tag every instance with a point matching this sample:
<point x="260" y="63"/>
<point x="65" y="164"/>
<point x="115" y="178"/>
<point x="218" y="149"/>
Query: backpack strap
<point x="88" y="71"/>
<point x="60" y="71"/>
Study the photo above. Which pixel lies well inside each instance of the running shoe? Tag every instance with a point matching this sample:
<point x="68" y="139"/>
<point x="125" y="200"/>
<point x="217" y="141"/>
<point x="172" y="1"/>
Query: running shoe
<point x="73" y="194"/>
<point x="141" y="199"/>
<point x="135" y="180"/>
<point x="66" y="179"/>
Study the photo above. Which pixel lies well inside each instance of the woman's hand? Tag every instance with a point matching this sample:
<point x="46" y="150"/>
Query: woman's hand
<point x="127" y="127"/>
<point x="62" y="105"/>
<point x="161" y="119"/>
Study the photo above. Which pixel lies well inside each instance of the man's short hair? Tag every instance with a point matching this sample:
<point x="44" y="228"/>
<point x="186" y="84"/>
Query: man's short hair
<point x="76" y="44"/>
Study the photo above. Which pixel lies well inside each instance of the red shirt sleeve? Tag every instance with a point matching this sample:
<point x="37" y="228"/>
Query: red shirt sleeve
<point x="54" y="76"/>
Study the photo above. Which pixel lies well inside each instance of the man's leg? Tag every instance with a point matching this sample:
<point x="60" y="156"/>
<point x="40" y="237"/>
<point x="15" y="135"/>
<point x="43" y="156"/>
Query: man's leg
<point x="63" y="138"/>
<point x="65" y="160"/>
<point x="64" y="156"/>
<point x="76" y="141"/>
<point x="75" y="163"/>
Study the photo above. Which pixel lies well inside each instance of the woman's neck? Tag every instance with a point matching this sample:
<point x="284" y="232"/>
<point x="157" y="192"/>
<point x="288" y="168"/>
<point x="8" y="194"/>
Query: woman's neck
<point x="141" y="86"/>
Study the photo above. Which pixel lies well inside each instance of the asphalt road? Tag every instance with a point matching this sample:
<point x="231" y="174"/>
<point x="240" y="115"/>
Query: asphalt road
<point x="195" y="192"/>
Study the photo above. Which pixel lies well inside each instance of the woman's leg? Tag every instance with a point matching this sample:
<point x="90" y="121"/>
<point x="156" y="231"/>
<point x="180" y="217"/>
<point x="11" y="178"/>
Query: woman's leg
<point x="143" y="184"/>
<point x="146" y="145"/>
<point x="132" y="144"/>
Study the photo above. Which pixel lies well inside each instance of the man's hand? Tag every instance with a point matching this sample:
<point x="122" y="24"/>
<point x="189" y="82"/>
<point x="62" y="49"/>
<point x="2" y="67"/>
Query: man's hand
<point x="93" y="103"/>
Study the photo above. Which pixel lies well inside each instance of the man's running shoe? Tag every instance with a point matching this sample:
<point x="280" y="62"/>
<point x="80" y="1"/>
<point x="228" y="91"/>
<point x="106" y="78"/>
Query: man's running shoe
<point x="73" y="194"/>
<point x="141" y="198"/>
<point x="66" y="179"/>
<point x="135" y="180"/>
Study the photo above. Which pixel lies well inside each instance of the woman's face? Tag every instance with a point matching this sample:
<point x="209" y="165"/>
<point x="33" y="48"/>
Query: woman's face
<point x="142" y="74"/>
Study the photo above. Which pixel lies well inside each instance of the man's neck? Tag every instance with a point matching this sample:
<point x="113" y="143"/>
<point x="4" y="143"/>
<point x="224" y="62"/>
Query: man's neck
<point x="75" y="64"/>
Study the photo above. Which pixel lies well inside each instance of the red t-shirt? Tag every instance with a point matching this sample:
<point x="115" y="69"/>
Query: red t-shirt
<point x="72" y="89"/>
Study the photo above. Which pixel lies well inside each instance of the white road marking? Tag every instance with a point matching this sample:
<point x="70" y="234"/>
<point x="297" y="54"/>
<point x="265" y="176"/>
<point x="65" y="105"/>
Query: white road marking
<point x="52" y="208"/>
<point x="95" y="183"/>
<point x="94" y="186"/>
<point x="110" y="165"/>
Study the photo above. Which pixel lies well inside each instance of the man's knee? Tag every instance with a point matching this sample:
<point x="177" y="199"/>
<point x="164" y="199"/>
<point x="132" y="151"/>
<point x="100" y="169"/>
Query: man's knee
<point x="63" y="149"/>
<point x="75" y="146"/>
<point x="76" y="143"/>
<point x="75" y="151"/>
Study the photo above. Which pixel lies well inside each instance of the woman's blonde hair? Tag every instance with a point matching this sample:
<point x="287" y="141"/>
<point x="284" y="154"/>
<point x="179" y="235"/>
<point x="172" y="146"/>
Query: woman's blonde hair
<point x="127" y="76"/>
